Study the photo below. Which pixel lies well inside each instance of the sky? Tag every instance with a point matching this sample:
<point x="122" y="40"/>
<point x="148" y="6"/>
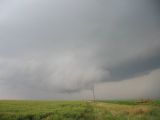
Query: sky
<point x="61" y="49"/>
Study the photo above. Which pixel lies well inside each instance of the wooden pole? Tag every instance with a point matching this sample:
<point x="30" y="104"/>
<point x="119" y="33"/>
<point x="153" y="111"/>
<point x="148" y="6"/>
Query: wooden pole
<point x="94" y="99"/>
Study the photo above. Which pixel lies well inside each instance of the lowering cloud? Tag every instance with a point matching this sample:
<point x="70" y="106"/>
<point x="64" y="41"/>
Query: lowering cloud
<point x="51" y="48"/>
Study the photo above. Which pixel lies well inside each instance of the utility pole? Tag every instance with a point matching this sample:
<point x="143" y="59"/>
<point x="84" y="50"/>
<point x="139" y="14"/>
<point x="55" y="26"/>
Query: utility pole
<point x="94" y="103"/>
<point x="94" y="99"/>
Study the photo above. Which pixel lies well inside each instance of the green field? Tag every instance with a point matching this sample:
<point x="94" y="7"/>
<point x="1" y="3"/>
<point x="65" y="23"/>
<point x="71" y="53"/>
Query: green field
<point x="79" y="110"/>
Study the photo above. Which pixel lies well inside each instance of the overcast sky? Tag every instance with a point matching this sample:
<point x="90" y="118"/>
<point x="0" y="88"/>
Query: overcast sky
<point x="60" y="49"/>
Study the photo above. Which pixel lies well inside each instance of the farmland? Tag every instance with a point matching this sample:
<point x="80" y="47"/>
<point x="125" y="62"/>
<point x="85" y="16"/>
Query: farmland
<point x="79" y="110"/>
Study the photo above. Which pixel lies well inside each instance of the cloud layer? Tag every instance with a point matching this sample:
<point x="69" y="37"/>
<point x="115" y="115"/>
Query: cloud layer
<point x="63" y="47"/>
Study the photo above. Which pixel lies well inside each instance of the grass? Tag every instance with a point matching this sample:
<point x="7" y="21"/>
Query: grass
<point x="44" y="110"/>
<point x="79" y="110"/>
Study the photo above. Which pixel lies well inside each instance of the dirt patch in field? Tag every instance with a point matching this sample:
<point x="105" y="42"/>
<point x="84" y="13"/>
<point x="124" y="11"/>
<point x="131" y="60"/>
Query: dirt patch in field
<point x="123" y="109"/>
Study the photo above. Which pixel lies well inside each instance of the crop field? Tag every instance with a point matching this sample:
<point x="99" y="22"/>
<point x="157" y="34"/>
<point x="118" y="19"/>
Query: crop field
<point x="79" y="110"/>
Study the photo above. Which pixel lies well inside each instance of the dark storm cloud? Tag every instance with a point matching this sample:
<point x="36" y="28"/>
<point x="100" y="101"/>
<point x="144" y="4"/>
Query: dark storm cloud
<point x="156" y="4"/>
<point x="140" y="65"/>
<point x="64" y="46"/>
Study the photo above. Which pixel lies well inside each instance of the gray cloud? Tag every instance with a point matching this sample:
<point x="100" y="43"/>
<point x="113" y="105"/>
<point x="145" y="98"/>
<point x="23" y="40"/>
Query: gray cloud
<point x="140" y="65"/>
<point x="145" y="86"/>
<point x="68" y="46"/>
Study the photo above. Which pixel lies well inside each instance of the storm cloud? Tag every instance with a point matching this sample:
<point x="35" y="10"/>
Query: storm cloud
<point x="51" y="48"/>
